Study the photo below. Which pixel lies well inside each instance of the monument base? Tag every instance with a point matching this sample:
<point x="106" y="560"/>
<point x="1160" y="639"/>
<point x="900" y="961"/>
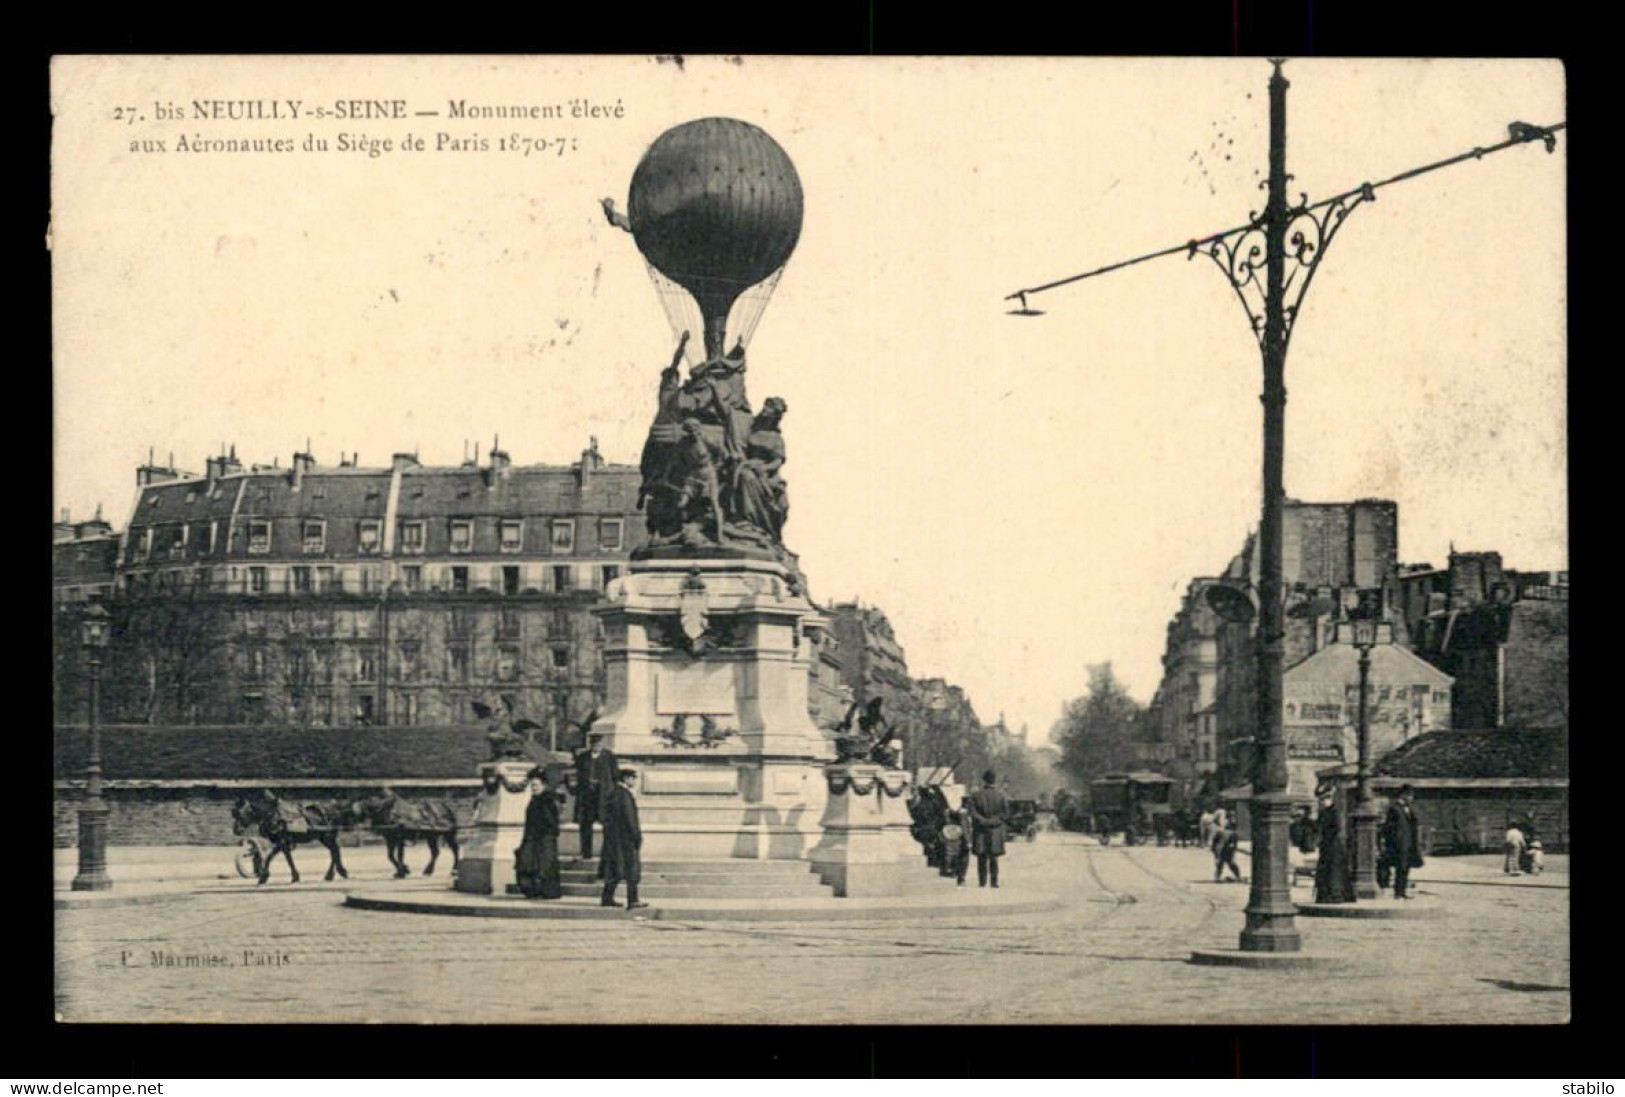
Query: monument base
<point x="866" y="850"/>
<point x="487" y="864"/>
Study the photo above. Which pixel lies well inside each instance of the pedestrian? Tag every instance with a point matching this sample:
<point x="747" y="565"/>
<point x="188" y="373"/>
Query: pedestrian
<point x="1514" y="850"/>
<point x="956" y="840"/>
<point x="596" y="770"/>
<point x="1225" y="843"/>
<point x="1535" y="853"/>
<point x="1204" y="824"/>
<point x="1333" y="883"/>
<point x="1385" y="856"/>
<point x="537" y="861"/>
<point x="623" y="842"/>
<point x="1404" y="845"/>
<point x="1221" y="819"/>
<point x="989" y="811"/>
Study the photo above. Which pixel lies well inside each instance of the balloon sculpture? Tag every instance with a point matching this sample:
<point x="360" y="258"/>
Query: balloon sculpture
<point x="715" y="207"/>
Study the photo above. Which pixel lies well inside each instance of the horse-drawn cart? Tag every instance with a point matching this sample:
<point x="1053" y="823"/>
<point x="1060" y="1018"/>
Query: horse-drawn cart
<point x="1135" y="805"/>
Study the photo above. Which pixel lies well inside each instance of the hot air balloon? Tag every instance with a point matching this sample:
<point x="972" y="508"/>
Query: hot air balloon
<point x="715" y="208"/>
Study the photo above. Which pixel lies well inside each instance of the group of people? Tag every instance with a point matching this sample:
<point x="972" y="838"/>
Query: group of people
<point x="951" y="836"/>
<point x="1399" y="847"/>
<point x="1525" y="852"/>
<point x="604" y="795"/>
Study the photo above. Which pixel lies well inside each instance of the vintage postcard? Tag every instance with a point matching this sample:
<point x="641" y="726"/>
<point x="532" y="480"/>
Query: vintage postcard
<point x="695" y="538"/>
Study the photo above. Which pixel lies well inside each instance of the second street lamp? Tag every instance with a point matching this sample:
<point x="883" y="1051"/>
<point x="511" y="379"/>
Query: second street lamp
<point x="1364" y="624"/>
<point x="92" y="874"/>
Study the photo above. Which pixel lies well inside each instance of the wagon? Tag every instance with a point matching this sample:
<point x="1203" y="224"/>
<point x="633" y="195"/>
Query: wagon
<point x="1135" y="805"/>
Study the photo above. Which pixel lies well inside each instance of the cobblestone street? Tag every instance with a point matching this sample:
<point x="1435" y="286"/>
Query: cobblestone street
<point x="1115" y="952"/>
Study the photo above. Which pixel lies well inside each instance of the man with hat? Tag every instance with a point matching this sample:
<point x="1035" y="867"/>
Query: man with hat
<point x="1403" y="841"/>
<point x="623" y="842"/>
<point x="596" y="770"/>
<point x="988" y="811"/>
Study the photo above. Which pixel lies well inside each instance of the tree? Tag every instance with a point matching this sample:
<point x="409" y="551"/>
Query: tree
<point x="1096" y="732"/>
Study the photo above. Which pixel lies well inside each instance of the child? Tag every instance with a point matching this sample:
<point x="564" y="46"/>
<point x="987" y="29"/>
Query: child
<point x="1224" y="853"/>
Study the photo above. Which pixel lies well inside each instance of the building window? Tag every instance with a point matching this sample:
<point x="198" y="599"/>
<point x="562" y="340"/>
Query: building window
<point x="507" y="664"/>
<point x="325" y="579"/>
<point x="368" y="538"/>
<point x="561" y="577"/>
<point x="564" y="535"/>
<point x="610" y="534"/>
<point x="561" y="657"/>
<point x="259" y="538"/>
<point x="412" y="577"/>
<point x="301" y="580"/>
<point x="257" y="580"/>
<point x="458" y="657"/>
<point x="205" y="540"/>
<point x="144" y="546"/>
<point x="254" y="664"/>
<point x="412" y="538"/>
<point x="314" y="536"/>
<point x="612" y="572"/>
<point x="561" y="709"/>
<point x="409" y="659"/>
<point x="364" y="714"/>
<point x="459" y="580"/>
<point x="406" y="714"/>
<point x="177" y="547"/>
<point x="508" y="624"/>
<point x="366" y="665"/>
<point x="321" y="713"/>
<point x="462" y="537"/>
<point x="253" y="709"/>
<point x="513" y="536"/>
<point x="510" y="580"/>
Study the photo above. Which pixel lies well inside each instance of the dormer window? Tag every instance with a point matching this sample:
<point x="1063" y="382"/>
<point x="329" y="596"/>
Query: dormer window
<point x="462" y="536"/>
<point x="412" y="538"/>
<point x="564" y="535"/>
<point x="314" y="536"/>
<point x="513" y="536"/>
<point x="368" y="538"/>
<point x="610" y="534"/>
<point x="259" y="538"/>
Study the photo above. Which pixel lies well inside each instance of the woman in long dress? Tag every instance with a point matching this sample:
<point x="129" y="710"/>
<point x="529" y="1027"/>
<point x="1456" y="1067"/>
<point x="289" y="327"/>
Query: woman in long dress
<point x="1333" y="882"/>
<point x="538" y="857"/>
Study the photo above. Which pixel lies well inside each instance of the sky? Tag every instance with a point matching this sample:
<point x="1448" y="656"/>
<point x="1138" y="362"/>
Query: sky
<point x="1024" y="497"/>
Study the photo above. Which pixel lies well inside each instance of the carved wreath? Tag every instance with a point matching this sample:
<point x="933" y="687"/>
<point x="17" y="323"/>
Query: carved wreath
<point x="710" y="734"/>
<point x="862" y="784"/>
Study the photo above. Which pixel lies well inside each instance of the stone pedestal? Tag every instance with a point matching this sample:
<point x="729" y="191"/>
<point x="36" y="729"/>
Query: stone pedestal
<point x="866" y="850"/>
<point x="487" y="863"/>
<point x="706" y="655"/>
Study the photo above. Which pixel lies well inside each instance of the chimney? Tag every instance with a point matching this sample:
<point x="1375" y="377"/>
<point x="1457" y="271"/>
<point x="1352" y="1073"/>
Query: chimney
<point x="591" y="461"/>
<point x="401" y="461"/>
<point x="302" y="464"/>
<point x="500" y="463"/>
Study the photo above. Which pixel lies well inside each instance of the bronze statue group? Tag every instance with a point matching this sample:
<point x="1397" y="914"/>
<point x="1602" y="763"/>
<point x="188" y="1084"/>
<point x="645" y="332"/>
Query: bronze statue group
<point x="604" y="796"/>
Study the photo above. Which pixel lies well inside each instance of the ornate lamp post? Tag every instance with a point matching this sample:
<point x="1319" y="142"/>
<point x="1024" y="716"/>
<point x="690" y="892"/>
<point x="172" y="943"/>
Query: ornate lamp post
<point x="93" y="813"/>
<point x="1364" y="622"/>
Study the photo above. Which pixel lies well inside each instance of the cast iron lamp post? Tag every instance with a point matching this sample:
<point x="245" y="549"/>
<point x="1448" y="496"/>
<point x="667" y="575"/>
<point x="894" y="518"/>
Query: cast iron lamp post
<point x="1364" y="623"/>
<point x="1270" y="262"/>
<point x="93" y="812"/>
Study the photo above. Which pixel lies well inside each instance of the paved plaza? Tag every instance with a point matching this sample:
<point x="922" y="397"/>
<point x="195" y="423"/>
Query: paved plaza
<point x="1114" y="951"/>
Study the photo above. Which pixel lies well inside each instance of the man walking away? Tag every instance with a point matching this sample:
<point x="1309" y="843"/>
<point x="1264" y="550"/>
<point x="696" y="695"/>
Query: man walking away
<point x="1404" y="846"/>
<point x="1225" y="843"/>
<point x="623" y="843"/>
<point x="988" y="810"/>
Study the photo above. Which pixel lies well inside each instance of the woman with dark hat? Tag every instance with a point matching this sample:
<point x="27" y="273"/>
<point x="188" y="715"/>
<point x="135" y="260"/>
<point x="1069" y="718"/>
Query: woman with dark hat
<point x="537" y="861"/>
<point x="1333" y="882"/>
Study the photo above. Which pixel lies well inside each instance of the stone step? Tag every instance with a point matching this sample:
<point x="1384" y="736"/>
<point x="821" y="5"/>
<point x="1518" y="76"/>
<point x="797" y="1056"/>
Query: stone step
<point x="730" y="867"/>
<point x="648" y="889"/>
<point x="701" y="879"/>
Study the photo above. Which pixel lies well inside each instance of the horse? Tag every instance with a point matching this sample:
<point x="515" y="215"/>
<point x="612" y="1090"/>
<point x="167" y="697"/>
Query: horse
<point x="284" y="828"/>
<point x="401" y="821"/>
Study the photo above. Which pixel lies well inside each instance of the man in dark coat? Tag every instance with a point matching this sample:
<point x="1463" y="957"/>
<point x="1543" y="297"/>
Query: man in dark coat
<point x="988" y="810"/>
<point x="1333" y="882"/>
<point x="1403" y="841"/>
<point x="596" y="770"/>
<point x="623" y="842"/>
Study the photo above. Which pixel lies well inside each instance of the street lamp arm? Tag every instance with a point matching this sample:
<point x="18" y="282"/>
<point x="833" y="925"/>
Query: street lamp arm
<point x="1522" y="133"/>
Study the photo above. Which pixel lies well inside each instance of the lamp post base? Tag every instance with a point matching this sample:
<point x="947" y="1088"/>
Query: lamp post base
<point x="92" y="874"/>
<point x="1365" y="853"/>
<point x="1271" y="913"/>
